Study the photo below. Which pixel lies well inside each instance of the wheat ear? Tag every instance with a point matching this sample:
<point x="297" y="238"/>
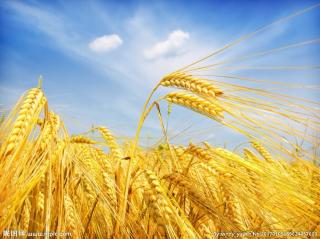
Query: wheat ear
<point x="196" y="103"/>
<point x="262" y="150"/>
<point x="199" y="152"/>
<point x="80" y="139"/>
<point x="190" y="83"/>
<point x="111" y="142"/>
<point x="70" y="215"/>
<point x="160" y="208"/>
<point x="34" y="99"/>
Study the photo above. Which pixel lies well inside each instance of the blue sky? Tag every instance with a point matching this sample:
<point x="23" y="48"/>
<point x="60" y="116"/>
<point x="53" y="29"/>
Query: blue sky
<point x="100" y="59"/>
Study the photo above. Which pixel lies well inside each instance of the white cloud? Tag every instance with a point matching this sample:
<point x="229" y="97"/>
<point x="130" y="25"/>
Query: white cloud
<point x="172" y="46"/>
<point x="105" y="43"/>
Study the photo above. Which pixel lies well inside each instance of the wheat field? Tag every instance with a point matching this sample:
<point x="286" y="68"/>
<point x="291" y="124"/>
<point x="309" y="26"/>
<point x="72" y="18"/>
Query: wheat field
<point x="92" y="185"/>
<point x="54" y="182"/>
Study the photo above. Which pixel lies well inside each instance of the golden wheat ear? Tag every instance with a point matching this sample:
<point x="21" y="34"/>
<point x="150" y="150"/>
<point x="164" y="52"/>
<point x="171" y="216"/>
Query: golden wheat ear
<point x="188" y="82"/>
<point x="30" y="109"/>
<point x="196" y="103"/>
